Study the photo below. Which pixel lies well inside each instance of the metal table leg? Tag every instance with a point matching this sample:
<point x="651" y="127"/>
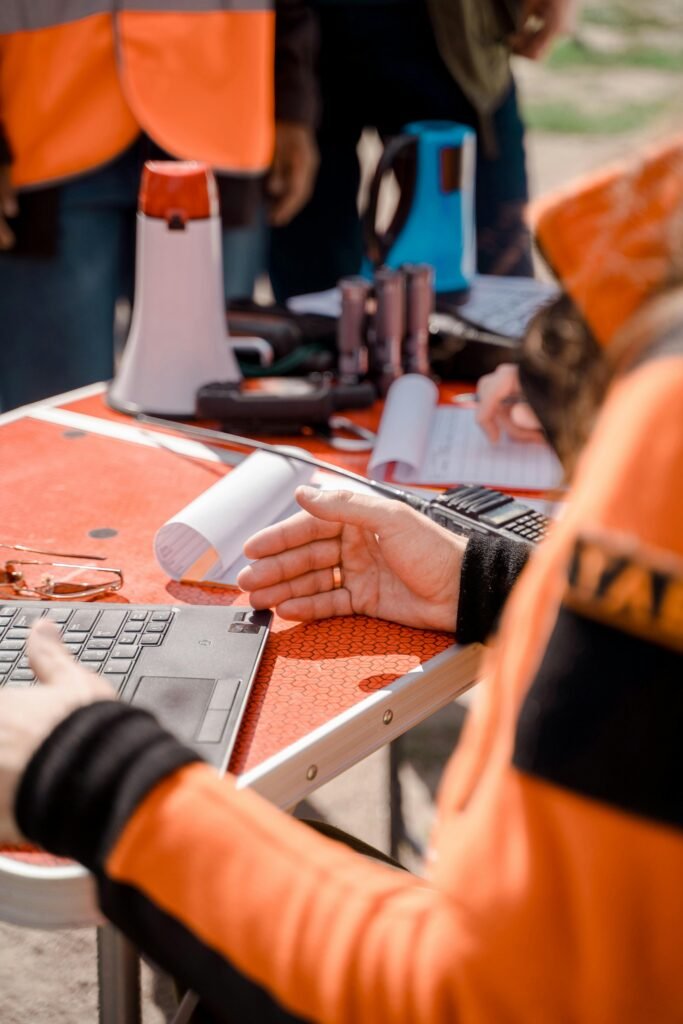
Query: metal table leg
<point x="118" y="978"/>
<point x="397" y="827"/>
<point x="398" y="833"/>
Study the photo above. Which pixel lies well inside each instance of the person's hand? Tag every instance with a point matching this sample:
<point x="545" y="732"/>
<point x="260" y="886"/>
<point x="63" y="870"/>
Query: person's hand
<point x="501" y="408"/>
<point x="8" y="208"/>
<point x="295" y="164"/>
<point x="27" y="717"/>
<point x="395" y="563"/>
<point x="540" y="21"/>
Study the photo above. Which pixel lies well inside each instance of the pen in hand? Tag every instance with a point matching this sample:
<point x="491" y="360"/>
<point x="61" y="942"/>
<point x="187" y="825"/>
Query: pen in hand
<point x="471" y="399"/>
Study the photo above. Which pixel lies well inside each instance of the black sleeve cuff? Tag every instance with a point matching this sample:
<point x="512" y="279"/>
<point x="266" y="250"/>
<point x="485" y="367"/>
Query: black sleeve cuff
<point x="490" y="569"/>
<point x="84" y="782"/>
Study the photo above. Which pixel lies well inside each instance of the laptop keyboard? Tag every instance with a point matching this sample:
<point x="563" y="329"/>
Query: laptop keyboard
<point x="503" y="316"/>
<point x="106" y="640"/>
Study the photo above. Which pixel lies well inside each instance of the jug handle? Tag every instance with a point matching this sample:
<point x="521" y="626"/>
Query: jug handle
<point x="377" y="246"/>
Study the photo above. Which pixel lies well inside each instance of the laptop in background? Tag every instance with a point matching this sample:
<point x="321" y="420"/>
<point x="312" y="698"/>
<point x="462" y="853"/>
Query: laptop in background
<point x="503" y="305"/>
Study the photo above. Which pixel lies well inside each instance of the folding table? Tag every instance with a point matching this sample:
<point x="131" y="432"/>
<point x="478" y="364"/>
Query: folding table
<point x="77" y="476"/>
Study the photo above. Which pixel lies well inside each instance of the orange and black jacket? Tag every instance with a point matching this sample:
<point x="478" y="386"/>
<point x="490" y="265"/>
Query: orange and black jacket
<point x="296" y="99"/>
<point x="553" y="881"/>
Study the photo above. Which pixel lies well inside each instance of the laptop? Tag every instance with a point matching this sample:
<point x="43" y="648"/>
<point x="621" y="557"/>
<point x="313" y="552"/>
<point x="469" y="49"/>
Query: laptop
<point x="501" y="305"/>
<point x="193" y="666"/>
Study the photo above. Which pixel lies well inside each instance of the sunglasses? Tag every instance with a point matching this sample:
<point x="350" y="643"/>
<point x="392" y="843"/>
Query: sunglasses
<point x="56" y="581"/>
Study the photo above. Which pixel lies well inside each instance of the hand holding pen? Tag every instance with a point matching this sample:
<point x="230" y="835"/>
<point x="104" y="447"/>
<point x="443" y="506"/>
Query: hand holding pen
<point x="501" y="407"/>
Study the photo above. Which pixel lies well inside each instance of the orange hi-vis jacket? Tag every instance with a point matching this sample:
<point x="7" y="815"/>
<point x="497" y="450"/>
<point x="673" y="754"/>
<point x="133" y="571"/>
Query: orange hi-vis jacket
<point x="554" y="887"/>
<point x="80" y="79"/>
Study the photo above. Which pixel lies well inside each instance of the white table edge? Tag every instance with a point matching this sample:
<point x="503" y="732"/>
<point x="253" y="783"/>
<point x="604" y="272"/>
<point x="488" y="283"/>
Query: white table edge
<point x="41" y="896"/>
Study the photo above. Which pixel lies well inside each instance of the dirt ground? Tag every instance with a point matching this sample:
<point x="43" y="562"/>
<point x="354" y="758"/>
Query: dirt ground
<point x="50" y="977"/>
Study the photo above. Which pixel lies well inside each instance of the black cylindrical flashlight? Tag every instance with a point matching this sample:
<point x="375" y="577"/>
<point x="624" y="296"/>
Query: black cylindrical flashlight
<point x="351" y="347"/>
<point x="419" y="307"/>
<point x="389" y="327"/>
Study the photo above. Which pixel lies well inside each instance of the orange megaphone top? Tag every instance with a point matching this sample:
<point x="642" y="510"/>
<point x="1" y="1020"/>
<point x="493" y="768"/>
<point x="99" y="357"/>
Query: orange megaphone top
<point x="614" y="238"/>
<point x="178" y="190"/>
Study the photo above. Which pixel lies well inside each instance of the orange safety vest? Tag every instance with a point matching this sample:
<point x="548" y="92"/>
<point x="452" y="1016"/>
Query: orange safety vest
<point x="80" y="79"/>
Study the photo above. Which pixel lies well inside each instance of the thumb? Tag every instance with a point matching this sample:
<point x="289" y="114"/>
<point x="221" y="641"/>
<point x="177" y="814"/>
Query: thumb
<point x="276" y="182"/>
<point x="522" y="415"/>
<point x="362" y="510"/>
<point x="10" y="206"/>
<point x="47" y="655"/>
<point x="8" y="199"/>
<point x="7" y="238"/>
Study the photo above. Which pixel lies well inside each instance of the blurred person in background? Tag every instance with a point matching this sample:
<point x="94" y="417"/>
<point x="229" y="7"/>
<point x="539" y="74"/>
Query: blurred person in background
<point x="552" y="888"/>
<point x="385" y="63"/>
<point x="86" y="96"/>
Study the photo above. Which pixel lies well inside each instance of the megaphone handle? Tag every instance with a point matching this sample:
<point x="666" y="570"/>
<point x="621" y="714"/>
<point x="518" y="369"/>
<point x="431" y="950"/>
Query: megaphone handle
<point x="262" y="348"/>
<point x="377" y="246"/>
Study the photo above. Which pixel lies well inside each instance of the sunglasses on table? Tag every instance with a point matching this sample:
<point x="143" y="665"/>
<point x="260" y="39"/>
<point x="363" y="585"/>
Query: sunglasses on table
<point x="34" y="579"/>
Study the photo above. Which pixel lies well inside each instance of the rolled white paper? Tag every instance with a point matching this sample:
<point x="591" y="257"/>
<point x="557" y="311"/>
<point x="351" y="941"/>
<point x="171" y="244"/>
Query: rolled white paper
<point x="204" y="540"/>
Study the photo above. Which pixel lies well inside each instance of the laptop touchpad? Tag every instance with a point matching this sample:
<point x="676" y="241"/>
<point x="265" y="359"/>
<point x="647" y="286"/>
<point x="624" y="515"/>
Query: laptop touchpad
<point x="179" y="704"/>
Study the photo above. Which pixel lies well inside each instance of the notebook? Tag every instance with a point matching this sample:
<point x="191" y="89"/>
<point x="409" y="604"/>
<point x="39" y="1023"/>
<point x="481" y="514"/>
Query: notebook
<point x="420" y="441"/>
<point x="192" y="666"/>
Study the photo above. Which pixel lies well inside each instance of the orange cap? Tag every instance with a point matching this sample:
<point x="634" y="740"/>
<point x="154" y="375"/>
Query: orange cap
<point x="613" y="238"/>
<point x="178" y="190"/>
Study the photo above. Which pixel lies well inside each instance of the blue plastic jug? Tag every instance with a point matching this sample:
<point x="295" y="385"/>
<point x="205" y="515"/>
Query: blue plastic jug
<point x="434" y="165"/>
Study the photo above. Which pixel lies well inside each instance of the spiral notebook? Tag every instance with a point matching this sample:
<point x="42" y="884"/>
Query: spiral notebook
<point x="422" y="442"/>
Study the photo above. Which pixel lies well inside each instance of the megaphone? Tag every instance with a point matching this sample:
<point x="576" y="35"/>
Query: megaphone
<point x="178" y="339"/>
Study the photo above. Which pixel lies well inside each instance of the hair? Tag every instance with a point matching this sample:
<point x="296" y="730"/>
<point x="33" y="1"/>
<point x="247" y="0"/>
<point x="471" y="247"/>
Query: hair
<point x="564" y="374"/>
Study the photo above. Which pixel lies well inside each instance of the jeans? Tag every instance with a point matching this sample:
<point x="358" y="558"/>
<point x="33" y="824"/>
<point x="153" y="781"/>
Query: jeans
<point x="57" y="312"/>
<point x="380" y="67"/>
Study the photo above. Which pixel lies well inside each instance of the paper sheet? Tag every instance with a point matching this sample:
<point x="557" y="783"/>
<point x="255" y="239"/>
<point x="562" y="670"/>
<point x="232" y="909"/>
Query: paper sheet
<point x="426" y="443"/>
<point x="326" y="303"/>
<point x="204" y="541"/>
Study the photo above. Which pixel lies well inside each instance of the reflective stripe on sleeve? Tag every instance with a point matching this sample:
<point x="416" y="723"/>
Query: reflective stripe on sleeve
<point x="25" y="15"/>
<point x="602" y="719"/>
<point x="29" y="15"/>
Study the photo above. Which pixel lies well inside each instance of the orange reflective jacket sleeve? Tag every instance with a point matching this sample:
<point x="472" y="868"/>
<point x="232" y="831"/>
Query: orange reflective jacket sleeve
<point x="554" y="875"/>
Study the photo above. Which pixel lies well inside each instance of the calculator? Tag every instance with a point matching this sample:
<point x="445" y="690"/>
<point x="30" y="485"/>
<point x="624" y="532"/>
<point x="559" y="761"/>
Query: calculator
<point x="473" y="509"/>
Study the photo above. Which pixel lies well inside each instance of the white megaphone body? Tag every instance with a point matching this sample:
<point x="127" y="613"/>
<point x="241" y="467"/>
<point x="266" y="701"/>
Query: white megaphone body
<point x="178" y="338"/>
